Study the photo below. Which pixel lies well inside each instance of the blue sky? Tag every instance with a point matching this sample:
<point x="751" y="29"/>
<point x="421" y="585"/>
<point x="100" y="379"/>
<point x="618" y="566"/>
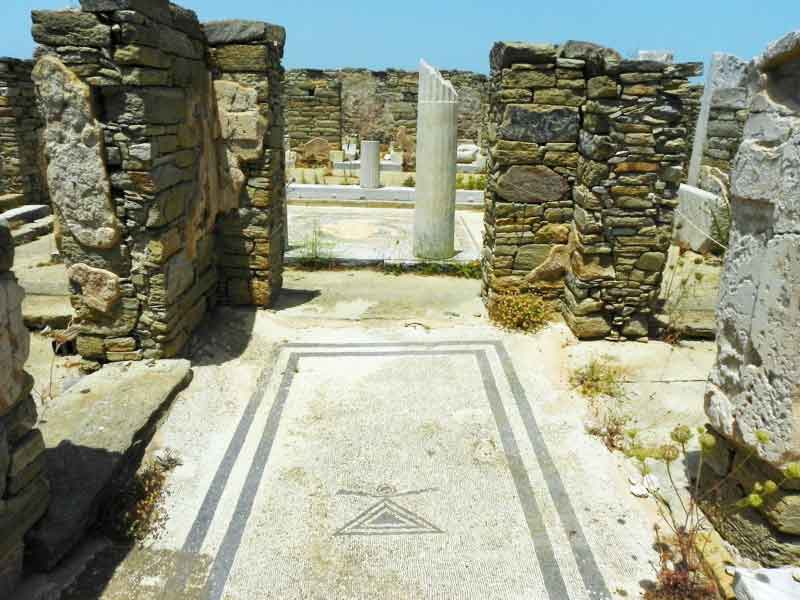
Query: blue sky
<point x="459" y="34"/>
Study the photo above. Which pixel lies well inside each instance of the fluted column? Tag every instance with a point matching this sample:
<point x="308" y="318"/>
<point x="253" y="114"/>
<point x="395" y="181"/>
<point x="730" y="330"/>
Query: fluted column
<point x="434" y="215"/>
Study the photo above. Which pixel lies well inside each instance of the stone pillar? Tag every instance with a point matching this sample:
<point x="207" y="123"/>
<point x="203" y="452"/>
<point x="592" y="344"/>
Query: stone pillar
<point x="434" y="215"/>
<point x="370" y="165"/>
<point x="24" y="490"/>
<point x="754" y="386"/>
<point x="164" y="143"/>
<point x="719" y="125"/>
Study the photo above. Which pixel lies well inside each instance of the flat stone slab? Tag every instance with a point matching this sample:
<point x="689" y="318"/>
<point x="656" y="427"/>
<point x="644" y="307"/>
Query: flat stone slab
<point x="767" y="584"/>
<point x="370" y="236"/>
<point x="39" y="312"/>
<point x="96" y="434"/>
<point x="694" y="219"/>
<point x="27" y="213"/>
<point x="32" y="231"/>
<point x="690" y="291"/>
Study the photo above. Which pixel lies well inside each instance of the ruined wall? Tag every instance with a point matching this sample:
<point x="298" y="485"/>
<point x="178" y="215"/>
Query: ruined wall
<point x="313" y="107"/>
<point x="248" y="83"/>
<point x="720" y="125"/>
<point x="24" y="491"/>
<point x="371" y="104"/>
<point x="586" y="154"/>
<point x="147" y="145"/>
<point x="754" y="385"/>
<point x="22" y="178"/>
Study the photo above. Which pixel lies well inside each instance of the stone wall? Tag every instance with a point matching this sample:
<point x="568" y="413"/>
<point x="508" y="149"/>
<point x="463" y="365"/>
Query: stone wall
<point x="371" y="104"/>
<point x="754" y="387"/>
<point x="313" y="107"/>
<point x="165" y="156"/>
<point x="720" y="125"/>
<point x="22" y="178"/>
<point x="248" y="82"/>
<point x="587" y="151"/>
<point x="24" y="490"/>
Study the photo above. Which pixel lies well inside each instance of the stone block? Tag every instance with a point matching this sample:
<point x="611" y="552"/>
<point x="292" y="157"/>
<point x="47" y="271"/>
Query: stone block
<point x="6" y="247"/>
<point x="14" y="345"/>
<point x="155" y="9"/>
<point x="532" y="184"/>
<point x="92" y="440"/>
<point x="237" y="32"/>
<point x="505" y="54"/>
<point x="539" y="124"/>
<point x="241" y="58"/>
<point x="77" y="177"/>
<point x="694" y="227"/>
<point x="69" y="28"/>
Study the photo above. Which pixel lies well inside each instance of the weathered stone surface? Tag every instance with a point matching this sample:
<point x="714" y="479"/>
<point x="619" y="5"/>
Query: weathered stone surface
<point x="95" y="434"/>
<point x="6" y="247"/>
<point x="76" y="170"/>
<point x="528" y="184"/>
<point x="694" y="222"/>
<point x="236" y="58"/>
<point x="766" y="584"/>
<point x="241" y="125"/>
<point x="155" y="9"/>
<point x="69" y="28"/>
<point x="14" y="345"/>
<point x="588" y="51"/>
<point x="651" y="261"/>
<point x="588" y="328"/>
<point x="232" y="32"/>
<point x="504" y="54"/>
<point x="99" y="288"/>
<point x="540" y="124"/>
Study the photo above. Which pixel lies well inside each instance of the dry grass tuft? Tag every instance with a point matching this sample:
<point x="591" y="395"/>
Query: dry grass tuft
<point x="602" y="376"/>
<point x="522" y="312"/>
<point x="137" y="511"/>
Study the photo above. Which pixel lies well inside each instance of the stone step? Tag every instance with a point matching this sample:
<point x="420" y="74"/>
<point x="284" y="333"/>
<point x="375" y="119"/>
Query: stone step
<point x="26" y="214"/>
<point x="96" y="435"/>
<point x="9" y="201"/>
<point x="40" y="311"/>
<point x="32" y="231"/>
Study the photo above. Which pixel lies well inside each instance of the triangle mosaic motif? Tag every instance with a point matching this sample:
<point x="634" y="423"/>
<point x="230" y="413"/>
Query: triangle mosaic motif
<point x="388" y="518"/>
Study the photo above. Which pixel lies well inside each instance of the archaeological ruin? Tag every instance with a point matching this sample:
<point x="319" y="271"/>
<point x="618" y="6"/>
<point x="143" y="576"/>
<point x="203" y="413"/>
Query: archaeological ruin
<point x="257" y="319"/>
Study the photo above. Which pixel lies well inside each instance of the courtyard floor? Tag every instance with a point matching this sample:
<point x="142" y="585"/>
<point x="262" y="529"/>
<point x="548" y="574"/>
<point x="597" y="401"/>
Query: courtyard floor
<point x="370" y="236"/>
<point x="373" y="437"/>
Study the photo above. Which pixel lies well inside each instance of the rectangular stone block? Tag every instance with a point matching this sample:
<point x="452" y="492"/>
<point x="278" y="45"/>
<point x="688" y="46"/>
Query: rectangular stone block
<point x="238" y="58"/>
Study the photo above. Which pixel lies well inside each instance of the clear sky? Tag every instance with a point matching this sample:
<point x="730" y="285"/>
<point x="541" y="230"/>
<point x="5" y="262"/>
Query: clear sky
<point x="458" y="34"/>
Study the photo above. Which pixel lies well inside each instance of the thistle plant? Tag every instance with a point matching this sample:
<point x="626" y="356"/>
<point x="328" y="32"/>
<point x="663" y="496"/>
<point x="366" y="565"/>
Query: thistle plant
<point x="681" y="572"/>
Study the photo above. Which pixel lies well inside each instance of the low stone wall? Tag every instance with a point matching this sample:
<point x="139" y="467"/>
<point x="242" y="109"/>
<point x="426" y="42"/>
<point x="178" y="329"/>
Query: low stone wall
<point x="166" y="169"/>
<point x="24" y="490"/>
<point x="587" y="153"/>
<point x="753" y="398"/>
<point x="22" y="179"/>
<point x="371" y="104"/>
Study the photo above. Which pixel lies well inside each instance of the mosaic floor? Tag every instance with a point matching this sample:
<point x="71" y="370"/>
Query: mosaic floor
<point x="370" y="235"/>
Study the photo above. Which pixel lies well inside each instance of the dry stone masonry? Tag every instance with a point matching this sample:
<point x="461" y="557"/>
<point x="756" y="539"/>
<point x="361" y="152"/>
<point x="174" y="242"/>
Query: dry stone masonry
<point x="21" y="174"/>
<point x="164" y="142"/>
<point x="754" y="386"/>
<point x="720" y="123"/>
<point x="24" y="490"/>
<point x="587" y="153"/>
<point x="313" y="107"/>
<point x="375" y="105"/>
